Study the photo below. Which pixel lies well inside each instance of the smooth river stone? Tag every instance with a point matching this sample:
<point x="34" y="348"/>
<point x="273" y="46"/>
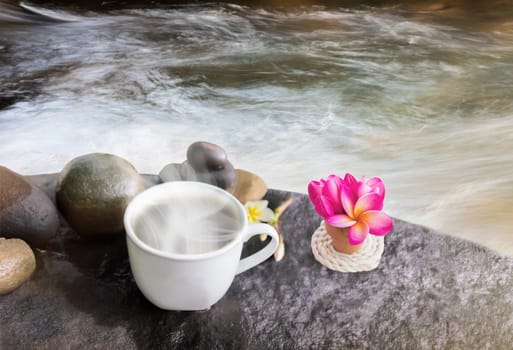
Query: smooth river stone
<point x="171" y="172"/>
<point x="207" y="162"/>
<point x="93" y="192"/>
<point x="185" y="172"/>
<point x="26" y="212"/>
<point x="17" y="263"/>
<point x="247" y="186"/>
<point x="204" y="156"/>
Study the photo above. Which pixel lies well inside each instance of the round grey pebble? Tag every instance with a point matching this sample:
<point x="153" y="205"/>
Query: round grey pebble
<point x="206" y="156"/>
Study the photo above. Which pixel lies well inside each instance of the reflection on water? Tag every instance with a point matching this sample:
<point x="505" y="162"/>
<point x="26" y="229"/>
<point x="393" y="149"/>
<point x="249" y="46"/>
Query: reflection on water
<point x="417" y="94"/>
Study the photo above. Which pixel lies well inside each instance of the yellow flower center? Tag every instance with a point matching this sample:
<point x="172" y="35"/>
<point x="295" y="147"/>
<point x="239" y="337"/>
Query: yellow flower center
<point x="254" y="213"/>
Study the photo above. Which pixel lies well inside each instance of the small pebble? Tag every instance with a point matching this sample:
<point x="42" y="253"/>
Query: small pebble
<point x="17" y="263"/>
<point x="247" y="186"/>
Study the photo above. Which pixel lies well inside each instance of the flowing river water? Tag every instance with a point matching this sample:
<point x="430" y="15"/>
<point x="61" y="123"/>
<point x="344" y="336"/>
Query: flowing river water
<point x="420" y="95"/>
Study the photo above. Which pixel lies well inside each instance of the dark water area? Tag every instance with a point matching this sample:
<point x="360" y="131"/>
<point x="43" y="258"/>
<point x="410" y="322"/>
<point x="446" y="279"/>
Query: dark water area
<point x="419" y="93"/>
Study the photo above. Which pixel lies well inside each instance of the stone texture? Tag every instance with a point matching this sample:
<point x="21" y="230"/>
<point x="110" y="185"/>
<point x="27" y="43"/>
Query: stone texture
<point x="206" y="156"/>
<point x="17" y="263"/>
<point x="247" y="186"/>
<point x="430" y="291"/>
<point x="48" y="182"/>
<point x="206" y="162"/>
<point x="172" y="172"/>
<point x="210" y="164"/>
<point x="93" y="192"/>
<point x="223" y="177"/>
<point x="26" y="212"/>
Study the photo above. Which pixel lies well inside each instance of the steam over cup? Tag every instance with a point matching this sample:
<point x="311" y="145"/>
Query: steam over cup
<point x="189" y="281"/>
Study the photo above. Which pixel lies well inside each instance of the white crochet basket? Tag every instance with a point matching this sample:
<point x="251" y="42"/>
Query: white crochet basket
<point x="366" y="259"/>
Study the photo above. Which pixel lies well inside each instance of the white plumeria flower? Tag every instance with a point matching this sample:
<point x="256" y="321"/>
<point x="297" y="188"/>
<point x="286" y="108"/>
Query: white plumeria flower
<point x="258" y="212"/>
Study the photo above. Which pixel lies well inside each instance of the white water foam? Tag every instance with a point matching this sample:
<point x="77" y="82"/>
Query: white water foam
<point x="291" y="95"/>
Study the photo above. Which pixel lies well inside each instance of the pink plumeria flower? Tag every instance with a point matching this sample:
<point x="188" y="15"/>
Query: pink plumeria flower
<point x="359" y="188"/>
<point x="325" y="195"/>
<point x="363" y="216"/>
<point x="353" y="204"/>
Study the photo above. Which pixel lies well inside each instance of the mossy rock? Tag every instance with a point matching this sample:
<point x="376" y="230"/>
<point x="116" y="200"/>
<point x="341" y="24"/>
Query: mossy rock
<point x="93" y="192"/>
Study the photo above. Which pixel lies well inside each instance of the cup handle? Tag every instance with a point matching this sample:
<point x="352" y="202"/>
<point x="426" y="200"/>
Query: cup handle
<point x="262" y="254"/>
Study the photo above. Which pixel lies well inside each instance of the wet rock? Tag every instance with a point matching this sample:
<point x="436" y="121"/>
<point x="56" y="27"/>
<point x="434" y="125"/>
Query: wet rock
<point x="247" y="186"/>
<point x="93" y="192"/>
<point x="17" y="263"/>
<point x="206" y="162"/>
<point x="172" y="172"/>
<point x="26" y="212"/>
<point x="45" y="182"/>
<point x="204" y="156"/>
<point x="222" y="177"/>
<point x="210" y="164"/>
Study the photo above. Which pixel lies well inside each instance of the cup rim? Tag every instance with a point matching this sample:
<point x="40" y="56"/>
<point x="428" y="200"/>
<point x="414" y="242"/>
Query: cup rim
<point x="141" y="197"/>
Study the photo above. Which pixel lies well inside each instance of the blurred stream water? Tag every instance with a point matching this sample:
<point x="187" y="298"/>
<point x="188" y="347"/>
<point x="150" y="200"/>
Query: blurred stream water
<point x="421" y="98"/>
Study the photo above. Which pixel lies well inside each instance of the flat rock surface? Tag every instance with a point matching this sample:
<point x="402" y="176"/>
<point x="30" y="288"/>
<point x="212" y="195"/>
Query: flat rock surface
<point x="430" y="291"/>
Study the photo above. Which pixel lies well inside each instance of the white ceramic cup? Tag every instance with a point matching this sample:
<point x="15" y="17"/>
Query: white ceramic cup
<point x="189" y="281"/>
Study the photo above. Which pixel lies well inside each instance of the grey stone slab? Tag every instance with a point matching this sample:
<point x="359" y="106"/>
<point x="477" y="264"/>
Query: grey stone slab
<point x="431" y="291"/>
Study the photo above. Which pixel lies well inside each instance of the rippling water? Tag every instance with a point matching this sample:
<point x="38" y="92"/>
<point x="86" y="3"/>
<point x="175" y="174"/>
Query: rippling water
<point x="419" y="97"/>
